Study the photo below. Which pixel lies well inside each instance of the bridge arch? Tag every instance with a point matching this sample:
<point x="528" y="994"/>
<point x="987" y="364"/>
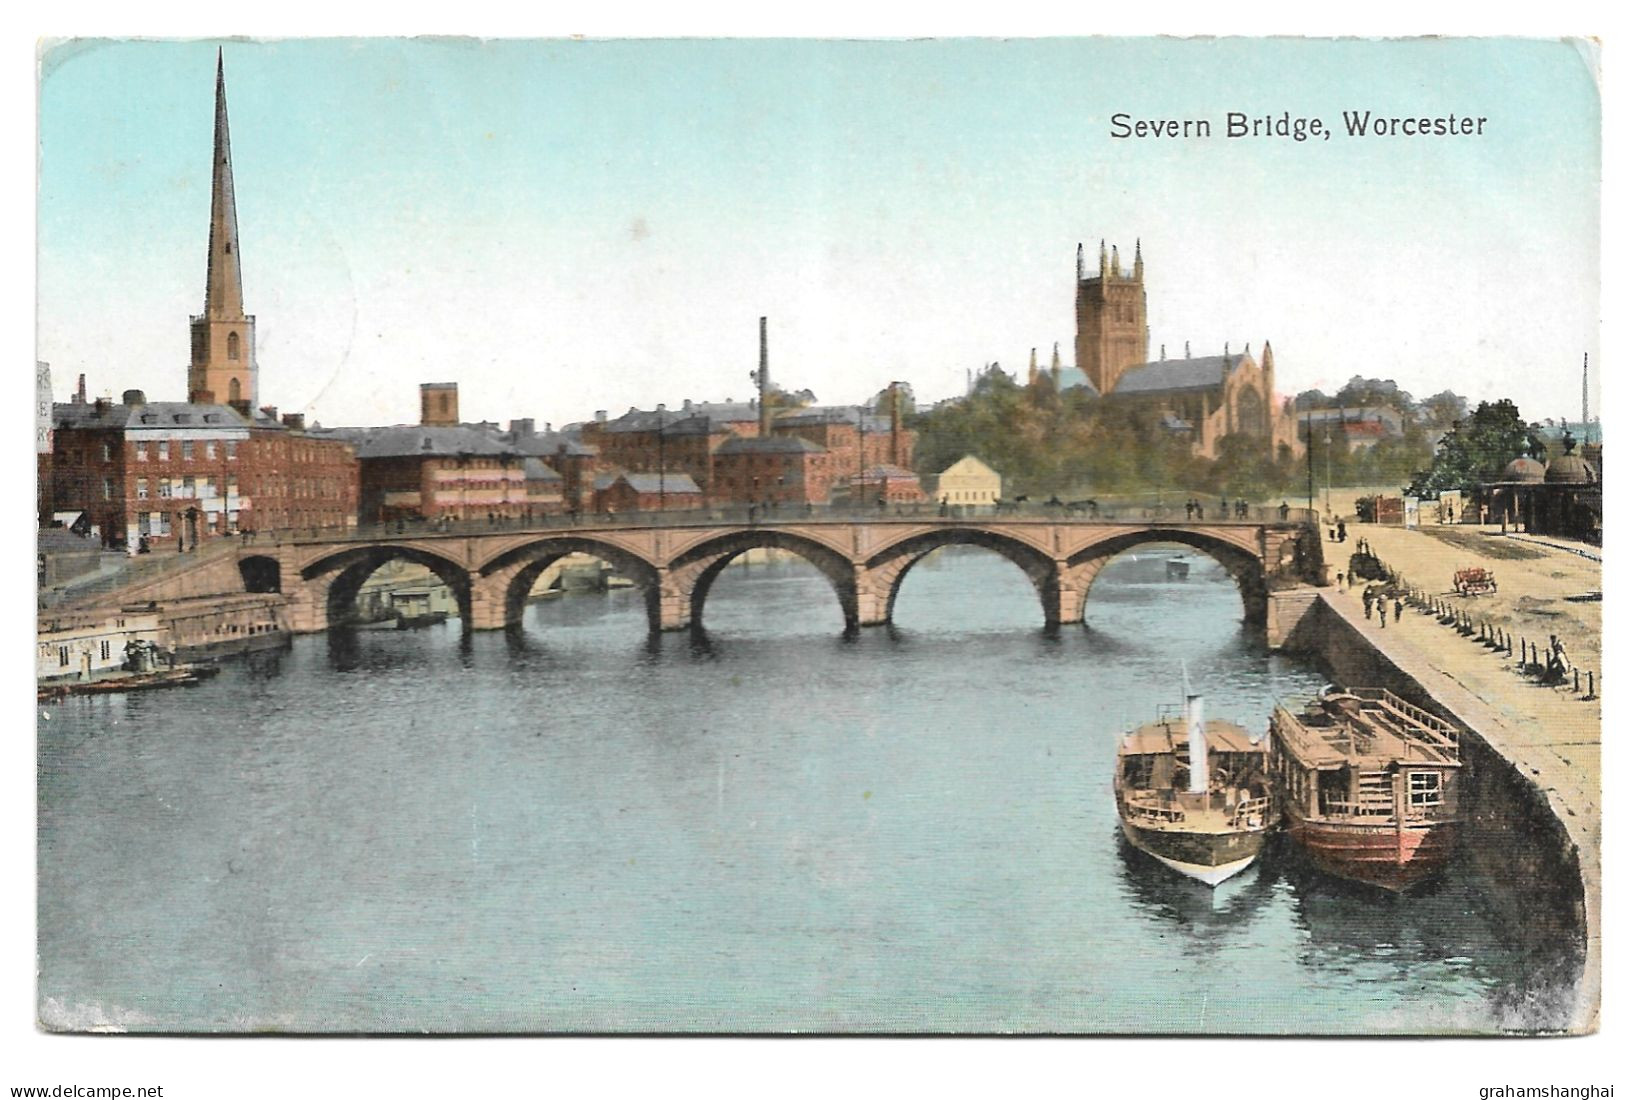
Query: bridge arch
<point x="260" y="573"/>
<point x="1242" y="562"/>
<point x="885" y="570"/>
<point x="693" y="572"/>
<point x="511" y="575"/>
<point x="346" y="571"/>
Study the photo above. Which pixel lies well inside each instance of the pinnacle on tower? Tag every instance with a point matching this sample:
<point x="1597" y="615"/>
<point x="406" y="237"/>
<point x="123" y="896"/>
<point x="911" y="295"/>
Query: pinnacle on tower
<point x="1080" y="261"/>
<point x="1032" y="368"/>
<point x="1139" y="264"/>
<point x="1055" y="364"/>
<point x="1116" y="270"/>
<point x="1103" y="268"/>
<point x="1187" y="349"/>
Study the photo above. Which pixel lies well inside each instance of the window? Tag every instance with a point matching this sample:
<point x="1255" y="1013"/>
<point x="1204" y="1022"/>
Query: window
<point x="107" y="488"/>
<point x="208" y="449"/>
<point x="107" y="452"/>
<point x="235" y="392"/>
<point x="107" y="649"/>
<point x="166" y="488"/>
<point x="163" y="523"/>
<point x="186" y="449"/>
<point x="233" y="341"/>
<point x="231" y="449"/>
<point x="62" y="656"/>
<point x="188" y="487"/>
<point x="1425" y="789"/>
<point x="140" y="452"/>
<point x="141" y="488"/>
<point x="163" y="450"/>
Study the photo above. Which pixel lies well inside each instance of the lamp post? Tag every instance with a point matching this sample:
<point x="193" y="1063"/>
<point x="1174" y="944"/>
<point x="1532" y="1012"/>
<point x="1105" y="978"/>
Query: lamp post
<point x="1309" y="460"/>
<point x="1328" y="490"/>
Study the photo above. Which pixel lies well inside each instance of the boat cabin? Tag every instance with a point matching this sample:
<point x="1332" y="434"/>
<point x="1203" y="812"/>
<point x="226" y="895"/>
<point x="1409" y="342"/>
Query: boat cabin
<point x="1367" y="755"/>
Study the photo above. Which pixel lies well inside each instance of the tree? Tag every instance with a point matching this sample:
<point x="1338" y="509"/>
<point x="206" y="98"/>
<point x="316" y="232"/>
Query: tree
<point x="1475" y="450"/>
<point x="1444" y="407"/>
<point x="1358" y="392"/>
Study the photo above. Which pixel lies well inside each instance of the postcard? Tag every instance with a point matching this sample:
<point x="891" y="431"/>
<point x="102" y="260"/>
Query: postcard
<point x="1087" y="536"/>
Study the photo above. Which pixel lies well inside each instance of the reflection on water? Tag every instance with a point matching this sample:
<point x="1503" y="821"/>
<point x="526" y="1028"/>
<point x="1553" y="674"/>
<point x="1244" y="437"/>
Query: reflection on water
<point x="770" y="825"/>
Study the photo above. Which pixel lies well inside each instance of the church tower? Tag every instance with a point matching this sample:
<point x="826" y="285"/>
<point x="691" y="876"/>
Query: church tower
<point x="223" y="366"/>
<point x="1112" y="330"/>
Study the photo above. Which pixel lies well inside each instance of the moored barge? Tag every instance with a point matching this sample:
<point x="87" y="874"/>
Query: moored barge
<point x="1369" y="786"/>
<point x="1194" y="794"/>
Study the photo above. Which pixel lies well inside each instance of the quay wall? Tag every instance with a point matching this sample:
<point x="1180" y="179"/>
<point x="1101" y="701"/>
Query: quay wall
<point x="1540" y="859"/>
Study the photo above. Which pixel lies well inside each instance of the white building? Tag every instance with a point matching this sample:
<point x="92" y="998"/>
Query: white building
<point x="85" y="645"/>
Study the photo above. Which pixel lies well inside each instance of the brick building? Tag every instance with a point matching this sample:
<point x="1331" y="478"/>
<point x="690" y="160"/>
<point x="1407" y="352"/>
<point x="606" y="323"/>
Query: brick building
<point x="575" y="462"/>
<point x="780" y="469"/>
<point x="175" y="473"/>
<point x="670" y="492"/>
<point x="853" y="436"/>
<point x="884" y="483"/>
<point x="683" y="440"/>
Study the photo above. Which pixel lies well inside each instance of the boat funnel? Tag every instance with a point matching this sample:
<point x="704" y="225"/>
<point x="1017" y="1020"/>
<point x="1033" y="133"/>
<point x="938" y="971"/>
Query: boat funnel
<point x="1196" y="737"/>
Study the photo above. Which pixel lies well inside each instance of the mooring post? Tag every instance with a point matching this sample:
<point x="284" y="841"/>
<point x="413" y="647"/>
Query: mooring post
<point x="1591" y="685"/>
<point x="1576" y="681"/>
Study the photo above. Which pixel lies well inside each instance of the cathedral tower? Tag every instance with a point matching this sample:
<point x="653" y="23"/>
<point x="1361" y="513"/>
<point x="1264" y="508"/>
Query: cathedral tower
<point x="223" y="366"/>
<point x="1112" y="331"/>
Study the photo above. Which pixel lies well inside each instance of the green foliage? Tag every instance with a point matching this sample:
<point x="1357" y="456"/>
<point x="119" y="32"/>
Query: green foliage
<point x="1476" y="450"/>
<point x="1075" y="445"/>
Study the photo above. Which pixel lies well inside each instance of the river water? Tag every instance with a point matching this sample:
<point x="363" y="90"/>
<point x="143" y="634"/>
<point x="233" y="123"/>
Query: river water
<point x="578" y="827"/>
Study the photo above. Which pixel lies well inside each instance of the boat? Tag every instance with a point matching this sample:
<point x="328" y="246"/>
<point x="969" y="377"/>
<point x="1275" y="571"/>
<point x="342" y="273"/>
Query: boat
<point x="1194" y="794"/>
<point x="117" y="682"/>
<point x="1178" y="568"/>
<point x="404" y="621"/>
<point x="1369" y="785"/>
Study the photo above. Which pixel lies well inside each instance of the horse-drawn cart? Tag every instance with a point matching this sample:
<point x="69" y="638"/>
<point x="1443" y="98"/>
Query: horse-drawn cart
<point x="1474" y="580"/>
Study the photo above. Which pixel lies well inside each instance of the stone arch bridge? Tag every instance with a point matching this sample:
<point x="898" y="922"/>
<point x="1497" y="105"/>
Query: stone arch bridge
<point x="675" y="561"/>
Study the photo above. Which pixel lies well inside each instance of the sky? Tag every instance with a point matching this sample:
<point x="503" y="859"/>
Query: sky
<point x="564" y="226"/>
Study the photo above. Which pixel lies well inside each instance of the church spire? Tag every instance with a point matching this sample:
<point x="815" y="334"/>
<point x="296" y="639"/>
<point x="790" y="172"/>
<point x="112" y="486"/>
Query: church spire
<point x="223" y="297"/>
<point x="222" y="366"/>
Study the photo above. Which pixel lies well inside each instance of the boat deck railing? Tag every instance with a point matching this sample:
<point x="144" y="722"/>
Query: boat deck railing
<point x="1160" y="812"/>
<point x="1258" y="807"/>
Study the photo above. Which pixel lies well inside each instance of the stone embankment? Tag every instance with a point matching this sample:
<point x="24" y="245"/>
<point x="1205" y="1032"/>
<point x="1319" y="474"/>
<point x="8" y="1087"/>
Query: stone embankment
<point x="1534" y="749"/>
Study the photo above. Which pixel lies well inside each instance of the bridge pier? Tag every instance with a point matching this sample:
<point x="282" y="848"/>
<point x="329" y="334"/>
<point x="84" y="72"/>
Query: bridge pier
<point x="307" y="602"/>
<point x="870" y="599"/>
<point x="675" y="604"/>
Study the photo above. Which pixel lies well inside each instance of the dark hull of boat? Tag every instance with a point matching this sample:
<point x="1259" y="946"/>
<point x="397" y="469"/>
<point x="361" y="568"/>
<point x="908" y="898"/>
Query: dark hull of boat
<point x="1211" y="857"/>
<point x="1378" y="855"/>
<point x="114" y="685"/>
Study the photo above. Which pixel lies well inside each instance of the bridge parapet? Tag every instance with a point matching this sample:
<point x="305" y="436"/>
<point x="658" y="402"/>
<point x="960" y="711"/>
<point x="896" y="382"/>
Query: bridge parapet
<point x="864" y="556"/>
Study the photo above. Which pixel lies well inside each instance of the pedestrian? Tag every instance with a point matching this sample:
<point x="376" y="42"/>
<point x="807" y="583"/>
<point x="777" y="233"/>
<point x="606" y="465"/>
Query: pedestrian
<point x="1285" y="510"/>
<point x="1342" y="531"/>
<point x="1190" y="508"/>
<point x="1198" y="509"/>
<point x="1399" y="607"/>
<point x="1224" y="508"/>
<point x="1340" y="582"/>
<point x="1382" y="611"/>
<point x="1368" y="597"/>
